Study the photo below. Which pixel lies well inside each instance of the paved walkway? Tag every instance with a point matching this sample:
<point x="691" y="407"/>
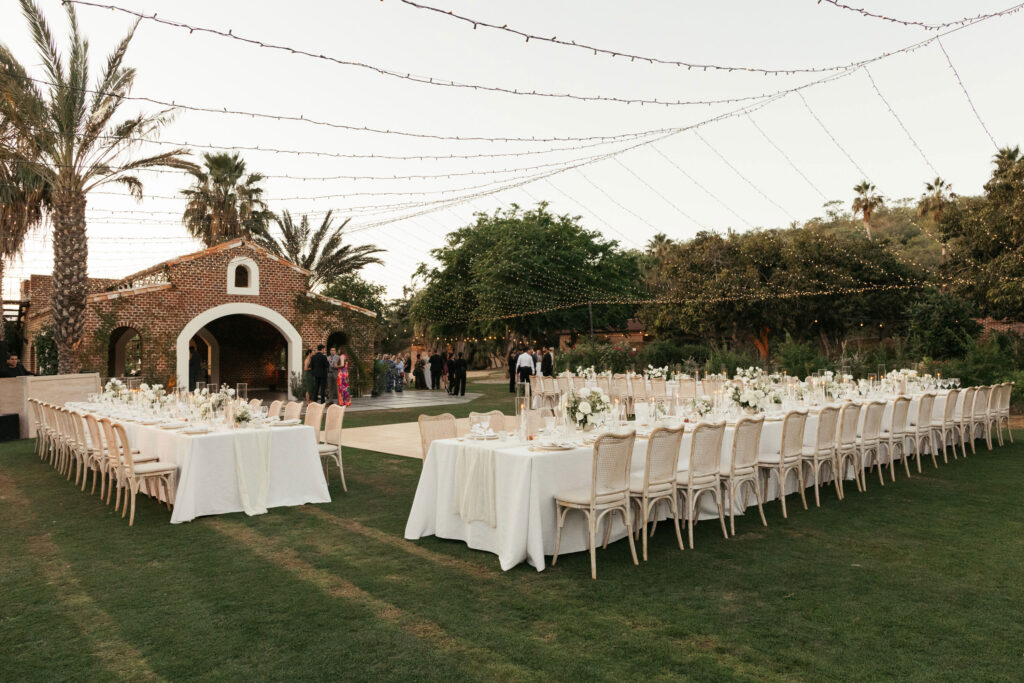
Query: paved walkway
<point x="411" y="398"/>
<point x="402" y="438"/>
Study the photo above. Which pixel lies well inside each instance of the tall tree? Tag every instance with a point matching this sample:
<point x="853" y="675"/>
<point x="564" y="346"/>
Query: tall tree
<point x="225" y="201"/>
<point x="68" y="137"/>
<point x="865" y="203"/>
<point x="936" y="198"/>
<point x="322" y="251"/>
<point x="23" y="195"/>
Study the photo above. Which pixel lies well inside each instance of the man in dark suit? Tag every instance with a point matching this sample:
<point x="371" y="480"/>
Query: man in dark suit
<point x="436" y="363"/>
<point x="457" y="375"/>
<point x="318" y="367"/>
<point x="195" y="368"/>
<point x="512" y="358"/>
<point x="547" y="363"/>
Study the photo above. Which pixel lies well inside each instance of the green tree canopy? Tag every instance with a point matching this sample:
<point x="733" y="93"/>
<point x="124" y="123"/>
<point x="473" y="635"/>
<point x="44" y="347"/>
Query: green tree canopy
<point x="530" y="272"/>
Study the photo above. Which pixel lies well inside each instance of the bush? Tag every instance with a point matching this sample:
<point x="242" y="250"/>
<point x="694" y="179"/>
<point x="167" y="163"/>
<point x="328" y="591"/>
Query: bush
<point x="800" y="359"/>
<point x="941" y="326"/>
<point x="46" y="352"/>
<point x="698" y="353"/>
<point x="730" y="359"/>
<point x="583" y="354"/>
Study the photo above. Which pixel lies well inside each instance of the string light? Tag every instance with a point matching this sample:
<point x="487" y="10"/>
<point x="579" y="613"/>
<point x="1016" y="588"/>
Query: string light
<point x="743" y="177"/>
<point x="703" y="66"/>
<point x="921" y="24"/>
<point x="655" y="191"/>
<point x="899" y="121"/>
<point x="590" y="210"/>
<point x="616" y="202"/>
<point x="833" y="138"/>
<point x="786" y="157"/>
<point x="695" y="182"/>
<point x="433" y="80"/>
<point x="966" y="94"/>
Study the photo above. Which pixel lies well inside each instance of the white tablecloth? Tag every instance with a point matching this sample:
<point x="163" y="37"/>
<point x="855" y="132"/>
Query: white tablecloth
<point x="209" y="468"/>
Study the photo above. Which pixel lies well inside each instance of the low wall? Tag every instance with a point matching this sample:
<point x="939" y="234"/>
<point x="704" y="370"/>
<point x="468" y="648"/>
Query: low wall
<point x="57" y="389"/>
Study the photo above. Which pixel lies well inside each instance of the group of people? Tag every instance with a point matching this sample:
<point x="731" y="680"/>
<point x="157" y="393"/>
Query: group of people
<point x="439" y="370"/>
<point x="325" y="376"/>
<point x="524" y="363"/>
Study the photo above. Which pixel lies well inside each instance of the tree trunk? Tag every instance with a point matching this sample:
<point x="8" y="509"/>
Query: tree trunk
<point x="761" y="342"/>
<point x="867" y="227"/>
<point x="2" y="325"/>
<point x="70" y="282"/>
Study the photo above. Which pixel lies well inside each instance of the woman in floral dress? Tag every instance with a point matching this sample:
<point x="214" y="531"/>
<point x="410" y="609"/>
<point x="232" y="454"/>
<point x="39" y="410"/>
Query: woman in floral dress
<point x="343" y="398"/>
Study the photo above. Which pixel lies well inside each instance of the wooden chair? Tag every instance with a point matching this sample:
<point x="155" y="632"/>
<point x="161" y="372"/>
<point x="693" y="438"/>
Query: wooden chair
<point x="1001" y="413"/>
<point x="746" y="444"/>
<point x="789" y="457"/>
<point x="433" y="427"/>
<point x="658" y="482"/>
<point x="868" y="441"/>
<point x="330" y="442"/>
<point x="497" y="419"/>
<point x="275" y="409"/>
<point x="962" y="417"/>
<point x="942" y="428"/>
<point x="314" y="418"/>
<point x="919" y="431"/>
<point x="132" y="475"/>
<point x="981" y="423"/>
<point x="700" y="473"/>
<point x="894" y="435"/>
<point x="846" y="445"/>
<point x="823" y="452"/>
<point x="607" y="493"/>
<point x="293" y="411"/>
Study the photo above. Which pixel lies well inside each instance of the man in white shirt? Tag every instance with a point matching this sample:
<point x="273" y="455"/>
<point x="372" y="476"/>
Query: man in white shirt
<point x="524" y="365"/>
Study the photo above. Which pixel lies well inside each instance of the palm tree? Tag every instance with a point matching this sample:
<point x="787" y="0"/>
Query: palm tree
<point x="69" y="139"/>
<point x="866" y="202"/>
<point x="1005" y="159"/>
<point x="321" y="251"/>
<point x="937" y="196"/>
<point x="224" y="202"/>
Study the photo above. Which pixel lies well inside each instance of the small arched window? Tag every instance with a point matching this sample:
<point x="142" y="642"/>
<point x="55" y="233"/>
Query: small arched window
<point x="241" y="277"/>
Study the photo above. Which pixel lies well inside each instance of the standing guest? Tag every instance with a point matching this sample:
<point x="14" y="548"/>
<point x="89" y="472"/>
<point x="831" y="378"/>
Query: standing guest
<point x="307" y="375"/>
<point x="511" y="362"/>
<point x="399" y="374"/>
<point x="419" y="372"/>
<point x="319" y="366"/>
<point x="334" y="363"/>
<point x="14" y="368"/>
<point x="536" y="361"/>
<point x="446" y="383"/>
<point x="342" y="381"/>
<point x="408" y="367"/>
<point x="436" y="363"/>
<point x="195" y="366"/>
<point x="547" y="363"/>
<point x="457" y="370"/>
<point x="524" y="365"/>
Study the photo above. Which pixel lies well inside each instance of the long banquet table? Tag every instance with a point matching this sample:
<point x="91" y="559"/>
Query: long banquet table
<point x="526" y="482"/>
<point x="236" y="470"/>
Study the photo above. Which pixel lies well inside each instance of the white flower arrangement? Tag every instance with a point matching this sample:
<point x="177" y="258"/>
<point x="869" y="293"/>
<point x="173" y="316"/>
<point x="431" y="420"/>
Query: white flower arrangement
<point x="750" y="374"/>
<point x="755" y="396"/>
<point x="209" y="403"/>
<point x="588" y="407"/>
<point x="701" y="405"/>
<point x="114" y="389"/>
<point x="589" y="373"/>
<point x="657" y="372"/>
<point x="243" y="415"/>
<point x="153" y="396"/>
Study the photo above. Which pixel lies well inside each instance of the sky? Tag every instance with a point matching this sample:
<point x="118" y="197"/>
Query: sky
<point x="762" y="163"/>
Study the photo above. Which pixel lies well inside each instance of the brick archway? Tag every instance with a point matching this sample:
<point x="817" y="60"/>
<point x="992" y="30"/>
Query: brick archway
<point x="268" y="315"/>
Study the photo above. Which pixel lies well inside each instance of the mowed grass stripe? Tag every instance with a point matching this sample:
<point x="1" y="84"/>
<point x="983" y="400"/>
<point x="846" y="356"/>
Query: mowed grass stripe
<point x="119" y="657"/>
<point x="489" y="664"/>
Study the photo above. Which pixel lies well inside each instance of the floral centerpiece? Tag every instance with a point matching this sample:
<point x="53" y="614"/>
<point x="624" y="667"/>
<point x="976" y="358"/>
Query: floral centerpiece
<point x="208" y="403"/>
<point x="588" y="407"/>
<point x="653" y="372"/>
<point x="243" y="415"/>
<point x="701" y="405"/>
<point x="590" y="373"/>
<point x="153" y="396"/>
<point x="114" y="389"/>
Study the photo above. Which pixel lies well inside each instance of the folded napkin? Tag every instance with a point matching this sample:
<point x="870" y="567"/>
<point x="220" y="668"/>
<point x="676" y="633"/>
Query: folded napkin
<point x="475" y="499"/>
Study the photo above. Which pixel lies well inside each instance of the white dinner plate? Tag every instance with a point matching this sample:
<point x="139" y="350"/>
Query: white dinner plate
<point x="286" y="423"/>
<point x="196" y="430"/>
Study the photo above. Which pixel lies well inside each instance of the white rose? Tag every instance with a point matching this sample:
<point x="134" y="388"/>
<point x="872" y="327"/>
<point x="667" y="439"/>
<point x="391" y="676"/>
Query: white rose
<point x="584" y="407"/>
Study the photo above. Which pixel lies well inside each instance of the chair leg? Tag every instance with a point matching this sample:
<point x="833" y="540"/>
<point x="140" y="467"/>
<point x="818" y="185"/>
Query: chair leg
<point x="691" y="510"/>
<point x="341" y="468"/>
<point x="674" y="502"/>
<point x="641" y="525"/>
<point x="760" y="503"/>
<point x="717" y="493"/>
<point x="782" y="494"/>
<point x="802" y="484"/>
<point x="131" y="520"/>
<point x="593" y="546"/>
<point x="732" y="504"/>
<point x="607" y="531"/>
<point x="558" y="530"/>
<point x="629" y="533"/>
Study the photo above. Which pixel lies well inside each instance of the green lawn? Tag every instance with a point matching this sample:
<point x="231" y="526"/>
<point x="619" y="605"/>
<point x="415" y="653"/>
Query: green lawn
<point x="919" y="580"/>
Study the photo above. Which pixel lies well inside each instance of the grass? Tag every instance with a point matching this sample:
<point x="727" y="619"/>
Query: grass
<point x="917" y="580"/>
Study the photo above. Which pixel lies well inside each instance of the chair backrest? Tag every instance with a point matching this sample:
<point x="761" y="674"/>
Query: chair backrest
<point x="619" y="388"/>
<point x="966" y="404"/>
<point x="433" y="427"/>
<point x="925" y="407"/>
<point x="828" y="418"/>
<point x="275" y="409"/>
<point x="255" y="404"/>
<point x="80" y="430"/>
<point x="314" y="417"/>
<point x="536" y="388"/>
<point x="900" y="413"/>
<point x="113" y="450"/>
<point x="293" y="410"/>
<point x="792" y="446"/>
<point x="746" y="443"/>
<point x="535" y="420"/>
<point x="564" y="384"/>
<point x="1004" y="402"/>
<point x="705" y="450"/>
<point x="604" y="384"/>
<point x="550" y="387"/>
<point x="950" y="407"/>
<point x="613" y="454"/>
<point x="659" y="387"/>
<point x="121" y="436"/>
<point x="687" y="388"/>
<point x="496" y="417"/>
<point x="980" y="402"/>
<point x="662" y="456"/>
<point x="332" y="425"/>
<point x="579" y="382"/>
<point x="849" y="421"/>
<point x="95" y="433"/>
<point x="639" y="388"/>
<point x="872" y="422"/>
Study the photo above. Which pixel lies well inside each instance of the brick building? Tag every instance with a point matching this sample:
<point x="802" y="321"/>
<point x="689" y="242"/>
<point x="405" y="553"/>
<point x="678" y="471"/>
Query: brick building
<point x="247" y="313"/>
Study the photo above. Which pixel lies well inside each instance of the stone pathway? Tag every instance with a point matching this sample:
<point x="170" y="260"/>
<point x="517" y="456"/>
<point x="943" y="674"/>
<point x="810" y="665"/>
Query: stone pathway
<point x="401" y="438"/>
<point x="408" y="399"/>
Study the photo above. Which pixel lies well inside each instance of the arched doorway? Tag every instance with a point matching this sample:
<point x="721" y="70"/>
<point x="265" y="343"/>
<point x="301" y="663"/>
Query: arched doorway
<point x="124" y="352"/>
<point x="337" y="340"/>
<point x="246" y="353"/>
